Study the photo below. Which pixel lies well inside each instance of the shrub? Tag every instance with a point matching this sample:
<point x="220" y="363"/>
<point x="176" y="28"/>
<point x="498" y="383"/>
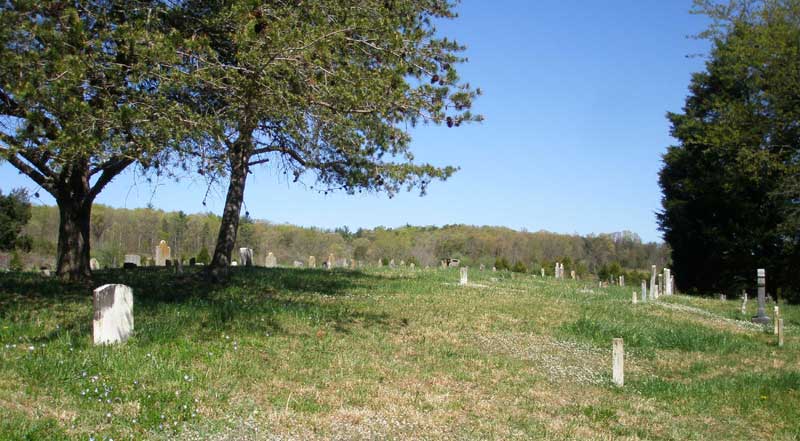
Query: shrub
<point x="519" y="267"/>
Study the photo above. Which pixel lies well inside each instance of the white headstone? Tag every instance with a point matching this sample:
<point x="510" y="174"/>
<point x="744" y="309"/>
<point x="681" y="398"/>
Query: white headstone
<point x="312" y="262"/>
<point x="134" y="259"/>
<point x="653" y="294"/>
<point x="270" y="261"/>
<point x="542" y="272"/>
<point x="644" y="291"/>
<point x="297" y="264"/>
<point x="411" y="265"/>
<point x="246" y="256"/>
<point x="618" y="362"/>
<point x="744" y="302"/>
<point x="463" y="280"/>
<point x="113" y="314"/>
<point x="94" y="265"/>
<point x="667" y="282"/>
<point x="234" y="263"/>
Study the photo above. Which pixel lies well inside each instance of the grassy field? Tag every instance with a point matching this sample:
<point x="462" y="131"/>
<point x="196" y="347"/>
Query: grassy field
<point x="388" y="354"/>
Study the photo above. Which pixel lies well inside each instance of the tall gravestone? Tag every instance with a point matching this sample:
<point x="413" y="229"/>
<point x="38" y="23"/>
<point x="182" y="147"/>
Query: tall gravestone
<point x="542" y="272"/>
<point x="270" y="261"/>
<point x="246" y="256"/>
<point x="556" y="271"/>
<point x="644" y="291"/>
<point x="163" y="253"/>
<point x="761" y="315"/>
<point x="113" y="314"/>
<point x="312" y="262"/>
<point x="331" y="261"/>
<point x="667" y="282"/>
<point x="653" y="288"/>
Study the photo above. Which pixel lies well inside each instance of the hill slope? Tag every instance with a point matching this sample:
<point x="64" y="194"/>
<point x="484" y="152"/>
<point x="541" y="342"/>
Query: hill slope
<point x="388" y="354"/>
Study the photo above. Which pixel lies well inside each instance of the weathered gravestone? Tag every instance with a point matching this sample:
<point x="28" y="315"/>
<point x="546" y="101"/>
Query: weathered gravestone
<point x="94" y="265"/>
<point x="163" y="253"/>
<point x="392" y="264"/>
<point x="542" y="272"/>
<point x="761" y="279"/>
<point x="412" y="265"/>
<point x="644" y="291"/>
<point x="133" y="259"/>
<point x="246" y="256"/>
<point x="331" y="261"/>
<point x="312" y="262"/>
<point x="463" y="280"/>
<point x="113" y="314"/>
<point x="298" y="264"/>
<point x="270" y="261"/>
<point x="667" y="282"/>
<point x="653" y="294"/>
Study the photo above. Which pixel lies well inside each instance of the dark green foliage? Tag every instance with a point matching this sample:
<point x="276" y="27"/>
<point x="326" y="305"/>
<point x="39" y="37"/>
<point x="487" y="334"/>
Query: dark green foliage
<point x="519" y="267"/>
<point x="16" y="262"/>
<point x="729" y="199"/>
<point x="203" y="256"/>
<point x="15" y="212"/>
<point x="501" y="263"/>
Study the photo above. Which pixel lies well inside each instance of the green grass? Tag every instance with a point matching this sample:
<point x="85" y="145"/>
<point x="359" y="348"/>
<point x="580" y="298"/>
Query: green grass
<point x="388" y="354"/>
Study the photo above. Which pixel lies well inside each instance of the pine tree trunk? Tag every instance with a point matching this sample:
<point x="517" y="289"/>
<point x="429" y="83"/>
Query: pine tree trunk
<point x="75" y="210"/>
<point x="226" y="240"/>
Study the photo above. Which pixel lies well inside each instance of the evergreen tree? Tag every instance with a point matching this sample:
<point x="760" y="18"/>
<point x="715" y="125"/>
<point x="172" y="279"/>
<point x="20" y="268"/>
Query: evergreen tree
<point x="325" y="90"/>
<point x="727" y="186"/>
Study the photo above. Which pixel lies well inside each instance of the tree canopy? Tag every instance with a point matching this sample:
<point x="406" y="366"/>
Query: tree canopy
<point x="83" y="95"/>
<point x="729" y="187"/>
<point x="324" y="91"/>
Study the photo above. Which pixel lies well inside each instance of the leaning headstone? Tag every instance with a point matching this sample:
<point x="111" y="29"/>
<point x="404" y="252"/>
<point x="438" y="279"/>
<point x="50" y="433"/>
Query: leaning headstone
<point x="618" y="362"/>
<point x="312" y="262"/>
<point x="135" y="259"/>
<point x="246" y="256"/>
<point x="270" y="261"/>
<point x="94" y="265"/>
<point x="113" y="314"/>
<point x="761" y="279"/>
<point x="463" y="280"/>
<point x="163" y="253"/>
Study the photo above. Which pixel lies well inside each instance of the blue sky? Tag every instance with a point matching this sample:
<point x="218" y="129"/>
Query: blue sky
<point x="575" y="96"/>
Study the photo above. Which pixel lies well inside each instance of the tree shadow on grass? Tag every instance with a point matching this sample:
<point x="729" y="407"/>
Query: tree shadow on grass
<point x="169" y="305"/>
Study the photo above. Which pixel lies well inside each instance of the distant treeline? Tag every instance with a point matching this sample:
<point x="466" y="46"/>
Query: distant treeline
<point x="116" y="232"/>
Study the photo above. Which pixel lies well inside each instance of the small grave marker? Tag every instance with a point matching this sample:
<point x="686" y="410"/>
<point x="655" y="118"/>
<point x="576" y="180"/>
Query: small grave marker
<point x="94" y="265"/>
<point x="776" y="312"/>
<point x="463" y="280"/>
<point x="618" y="362"/>
<point x="312" y="262"/>
<point x="780" y="332"/>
